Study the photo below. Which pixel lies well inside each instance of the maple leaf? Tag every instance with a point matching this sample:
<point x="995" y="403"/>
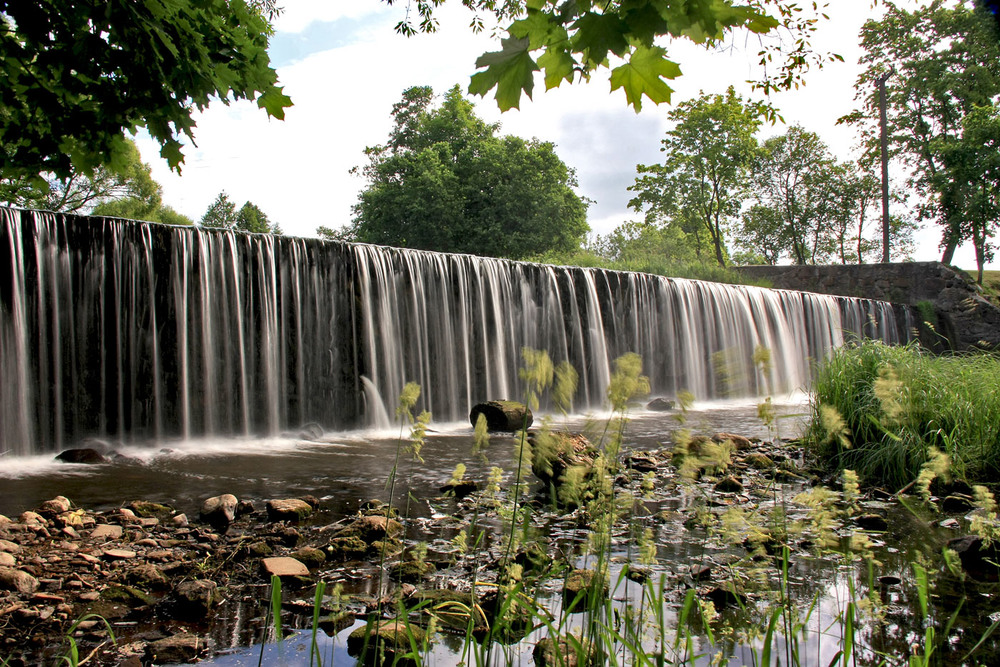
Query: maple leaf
<point x="644" y="74"/>
<point x="511" y="70"/>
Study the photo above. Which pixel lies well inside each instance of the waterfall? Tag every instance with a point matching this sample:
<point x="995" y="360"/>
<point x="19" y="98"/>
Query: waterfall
<point x="139" y="332"/>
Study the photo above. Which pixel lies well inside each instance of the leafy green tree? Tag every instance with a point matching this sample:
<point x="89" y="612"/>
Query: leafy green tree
<point x="970" y="179"/>
<point x="223" y="214"/>
<point x="75" y="75"/>
<point x="445" y="181"/>
<point x="703" y="179"/>
<point x="569" y="41"/>
<point x="942" y="61"/>
<point x="127" y="191"/>
<point x="636" y="243"/>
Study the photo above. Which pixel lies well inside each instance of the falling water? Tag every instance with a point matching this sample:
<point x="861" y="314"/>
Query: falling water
<point x="139" y="332"/>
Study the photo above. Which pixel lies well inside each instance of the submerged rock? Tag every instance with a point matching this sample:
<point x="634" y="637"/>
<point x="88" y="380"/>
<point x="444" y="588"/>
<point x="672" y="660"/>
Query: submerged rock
<point x="175" y="650"/>
<point x="81" y="455"/>
<point x="390" y="635"/>
<point x="978" y="559"/>
<point x="661" y="404"/>
<point x="502" y="416"/>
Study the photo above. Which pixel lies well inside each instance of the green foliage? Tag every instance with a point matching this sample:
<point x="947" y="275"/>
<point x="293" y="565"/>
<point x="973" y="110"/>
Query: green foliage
<point x="222" y="214"/>
<point x="895" y="406"/>
<point x="703" y="179"/>
<point x="445" y="181"/>
<point x="570" y="41"/>
<point x="76" y="75"/>
<point x="942" y="61"/>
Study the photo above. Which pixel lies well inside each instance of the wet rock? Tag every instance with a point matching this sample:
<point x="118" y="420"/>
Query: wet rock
<point x="106" y="531"/>
<point x="951" y="523"/>
<point x="311" y="557"/>
<point x="147" y="509"/>
<point x="873" y="522"/>
<point x="738" y="441"/>
<point x="554" y="454"/>
<point x="724" y="597"/>
<point x="81" y="455"/>
<point x="257" y="549"/>
<point x="729" y="484"/>
<point x="177" y="649"/>
<point x="372" y="528"/>
<point x="978" y="560"/>
<point x="194" y="599"/>
<point x="147" y="575"/>
<point x="284" y="566"/>
<point x="460" y="489"/>
<point x="411" y="571"/>
<point x="661" y="404"/>
<point x="18" y="581"/>
<point x="286" y="536"/>
<point x="580" y="581"/>
<point x="759" y="461"/>
<point x="564" y="653"/>
<point x="638" y="574"/>
<point x="392" y="636"/>
<point x="219" y="511"/>
<point x="130" y="596"/>
<point x="699" y="572"/>
<point x="502" y="416"/>
<point x="245" y="508"/>
<point x="957" y="504"/>
<point x="56" y="506"/>
<point x="346" y="548"/>
<point x="119" y="554"/>
<point x="311" y="431"/>
<point x="335" y="623"/>
<point x="642" y="462"/>
<point x="289" y="509"/>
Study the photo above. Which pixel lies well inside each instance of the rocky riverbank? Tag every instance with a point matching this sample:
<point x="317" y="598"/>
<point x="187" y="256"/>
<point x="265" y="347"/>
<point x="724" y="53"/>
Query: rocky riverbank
<point x="144" y="584"/>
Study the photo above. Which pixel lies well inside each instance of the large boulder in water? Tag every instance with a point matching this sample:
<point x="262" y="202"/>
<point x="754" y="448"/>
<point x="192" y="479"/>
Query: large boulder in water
<point x="502" y="416"/>
<point x="81" y="455"/>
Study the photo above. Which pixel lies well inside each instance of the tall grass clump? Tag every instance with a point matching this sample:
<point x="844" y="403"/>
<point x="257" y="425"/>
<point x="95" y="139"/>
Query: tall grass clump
<point x="883" y="411"/>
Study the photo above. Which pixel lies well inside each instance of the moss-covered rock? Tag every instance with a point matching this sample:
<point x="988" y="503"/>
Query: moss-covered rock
<point x="392" y="636"/>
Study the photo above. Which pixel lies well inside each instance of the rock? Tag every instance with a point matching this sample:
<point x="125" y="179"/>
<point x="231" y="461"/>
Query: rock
<point x="553" y="453"/>
<point x="10" y="547"/>
<point x="579" y="581"/>
<point x="873" y="522"/>
<point x="284" y="566"/>
<point x="978" y="560"/>
<point x="372" y="528"/>
<point x="311" y="431"/>
<point x="723" y="597"/>
<point x="106" y="531"/>
<point x="661" y="404"/>
<point x="147" y="575"/>
<point x="759" y="461"/>
<point x="127" y="595"/>
<point x="391" y="635"/>
<point x="729" y="484"/>
<point x="18" y="581"/>
<point x="410" y="571"/>
<point x="286" y="535"/>
<point x="699" y="572"/>
<point x="957" y="504"/>
<point x="56" y="506"/>
<point x="147" y="509"/>
<point x="547" y="653"/>
<point x="738" y="441"/>
<point x="351" y="547"/>
<point x="119" y="554"/>
<point x="460" y="489"/>
<point x="81" y="455"/>
<point x="194" y="599"/>
<point x="291" y="509"/>
<point x="182" y="648"/>
<point x="219" y="511"/>
<point x="179" y="520"/>
<point x="502" y="416"/>
<point x="32" y="519"/>
<point x="311" y="557"/>
<point x="7" y="559"/>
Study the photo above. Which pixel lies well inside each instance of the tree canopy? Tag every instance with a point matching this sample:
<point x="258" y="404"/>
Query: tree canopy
<point x="942" y="62"/>
<point x="223" y="214"/>
<point x="76" y="75"/>
<point x="446" y="181"/>
<point x="569" y="41"/>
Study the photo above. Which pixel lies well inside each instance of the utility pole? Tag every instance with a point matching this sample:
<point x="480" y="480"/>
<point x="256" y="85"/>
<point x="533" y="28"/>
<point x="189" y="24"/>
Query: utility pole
<point x="884" y="141"/>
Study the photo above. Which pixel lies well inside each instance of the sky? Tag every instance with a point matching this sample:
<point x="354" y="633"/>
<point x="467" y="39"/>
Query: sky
<point x="344" y="67"/>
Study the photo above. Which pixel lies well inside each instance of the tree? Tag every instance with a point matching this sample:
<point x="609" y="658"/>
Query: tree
<point x="222" y="214"/>
<point x="970" y="179"/>
<point x="638" y="243"/>
<point x="945" y="61"/>
<point x="445" y="181"/>
<point x="75" y="75"/>
<point x="127" y="191"/>
<point x="703" y="178"/>
<point x="574" y="39"/>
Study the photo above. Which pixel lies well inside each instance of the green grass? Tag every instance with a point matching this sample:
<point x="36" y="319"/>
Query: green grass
<point x="896" y="403"/>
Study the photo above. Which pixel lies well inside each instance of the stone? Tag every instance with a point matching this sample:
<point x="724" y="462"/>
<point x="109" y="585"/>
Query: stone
<point x="577" y="582"/>
<point x="179" y="520"/>
<point x="759" y="461"/>
<point x="18" y="581"/>
<point x="372" y="528"/>
<point x="290" y="509"/>
<point x="127" y="595"/>
<point x="554" y="453"/>
<point x="194" y="599"/>
<point x="311" y="431"/>
<point x="738" y="441"/>
<point x="106" y="531"/>
<point x="7" y="559"/>
<point x="547" y="653"/>
<point x="311" y="557"/>
<point x="502" y="416"/>
<point x="392" y="635"/>
<point x="460" y="489"/>
<point x="284" y="566"/>
<point x="178" y="649"/>
<point x="729" y="484"/>
<point x="10" y="547"/>
<point x="219" y="511"/>
<point x="978" y="560"/>
<point x="119" y="554"/>
<point x="147" y="575"/>
<point x="32" y="519"/>
<point x="85" y="455"/>
<point x="410" y="571"/>
<point x="147" y="509"/>
<point x="661" y="404"/>
<point x="957" y="504"/>
<point x="58" y="505"/>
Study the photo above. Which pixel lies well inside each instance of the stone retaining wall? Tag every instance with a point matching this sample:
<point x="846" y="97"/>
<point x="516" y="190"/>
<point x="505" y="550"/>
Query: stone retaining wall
<point x="960" y="314"/>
